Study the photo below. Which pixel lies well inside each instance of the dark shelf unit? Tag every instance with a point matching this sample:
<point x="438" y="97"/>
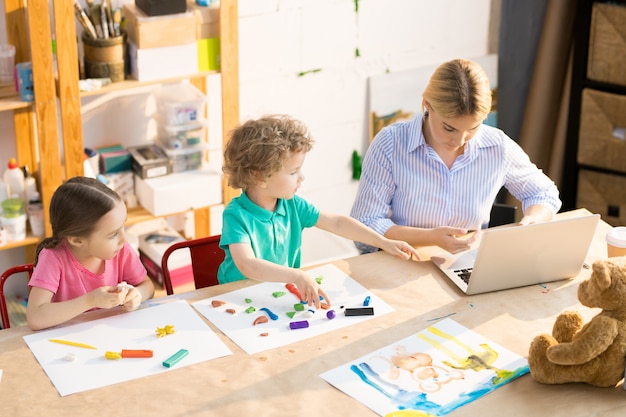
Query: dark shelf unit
<point x="579" y="82"/>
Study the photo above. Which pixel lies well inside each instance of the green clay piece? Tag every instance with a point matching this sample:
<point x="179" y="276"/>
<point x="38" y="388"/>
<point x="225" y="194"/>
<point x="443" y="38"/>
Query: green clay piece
<point x="250" y="310"/>
<point x="290" y="314"/>
<point x="319" y="280"/>
<point x="248" y="300"/>
<point x="278" y="294"/>
<point x="298" y="307"/>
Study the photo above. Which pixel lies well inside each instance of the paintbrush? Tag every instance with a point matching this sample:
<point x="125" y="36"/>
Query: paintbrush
<point x="97" y="20"/>
<point x="117" y="21"/>
<point x="109" y="14"/>
<point x="83" y="19"/>
<point x="103" y="19"/>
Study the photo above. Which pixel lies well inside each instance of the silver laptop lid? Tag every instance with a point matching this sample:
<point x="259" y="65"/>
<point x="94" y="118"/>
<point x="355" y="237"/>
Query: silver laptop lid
<point x="516" y="256"/>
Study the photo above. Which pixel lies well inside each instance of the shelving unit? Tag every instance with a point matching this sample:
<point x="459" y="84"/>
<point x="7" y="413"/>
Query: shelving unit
<point x="42" y="151"/>
<point x="26" y="141"/>
<point x="607" y="196"/>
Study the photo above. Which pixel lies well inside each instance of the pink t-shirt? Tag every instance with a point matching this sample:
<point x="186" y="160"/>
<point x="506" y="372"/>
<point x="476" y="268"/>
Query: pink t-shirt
<point x="58" y="271"/>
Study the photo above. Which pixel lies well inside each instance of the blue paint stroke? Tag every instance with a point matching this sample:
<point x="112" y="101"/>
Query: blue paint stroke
<point x="406" y="400"/>
<point x="269" y="313"/>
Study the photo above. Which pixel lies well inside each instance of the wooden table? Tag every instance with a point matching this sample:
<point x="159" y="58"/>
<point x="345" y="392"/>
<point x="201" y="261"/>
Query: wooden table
<point x="285" y="381"/>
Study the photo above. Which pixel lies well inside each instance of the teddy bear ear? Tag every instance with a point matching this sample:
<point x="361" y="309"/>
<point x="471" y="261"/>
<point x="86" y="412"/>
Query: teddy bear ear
<point x="602" y="274"/>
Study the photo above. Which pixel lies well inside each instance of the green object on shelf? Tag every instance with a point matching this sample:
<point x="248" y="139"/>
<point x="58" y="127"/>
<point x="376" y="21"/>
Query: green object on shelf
<point x="356" y="165"/>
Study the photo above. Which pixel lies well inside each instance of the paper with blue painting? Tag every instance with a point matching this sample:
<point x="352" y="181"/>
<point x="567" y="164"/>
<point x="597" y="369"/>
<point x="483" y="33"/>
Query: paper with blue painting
<point x="434" y="371"/>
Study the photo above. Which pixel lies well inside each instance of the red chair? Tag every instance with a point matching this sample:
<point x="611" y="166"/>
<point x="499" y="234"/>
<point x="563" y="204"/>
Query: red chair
<point x="206" y="257"/>
<point x="4" y="312"/>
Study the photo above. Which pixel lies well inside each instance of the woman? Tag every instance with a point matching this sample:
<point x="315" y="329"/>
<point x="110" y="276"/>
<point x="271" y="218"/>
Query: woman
<point x="432" y="179"/>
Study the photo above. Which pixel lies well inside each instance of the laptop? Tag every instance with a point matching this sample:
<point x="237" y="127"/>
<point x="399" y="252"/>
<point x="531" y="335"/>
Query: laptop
<point x="515" y="256"/>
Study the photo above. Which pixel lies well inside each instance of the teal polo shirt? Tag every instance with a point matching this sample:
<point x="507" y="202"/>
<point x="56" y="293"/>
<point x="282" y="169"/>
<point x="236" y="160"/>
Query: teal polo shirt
<point x="274" y="236"/>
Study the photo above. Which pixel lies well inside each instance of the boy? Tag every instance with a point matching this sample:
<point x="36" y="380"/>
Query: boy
<point x="262" y="228"/>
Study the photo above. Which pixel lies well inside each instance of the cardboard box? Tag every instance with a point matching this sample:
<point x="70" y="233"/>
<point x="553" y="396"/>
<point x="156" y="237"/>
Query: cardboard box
<point x="149" y="64"/>
<point x="607" y="43"/>
<point x="122" y="183"/>
<point x="176" y="193"/>
<point x="204" y="14"/>
<point x="149" y="161"/>
<point x="603" y="193"/>
<point x="157" y="32"/>
<point x="602" y="132"/>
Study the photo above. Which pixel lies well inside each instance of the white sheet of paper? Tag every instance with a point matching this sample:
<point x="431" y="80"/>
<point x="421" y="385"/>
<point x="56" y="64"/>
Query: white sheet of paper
<point x="433" y="372"/>
<point x="132" y="330"/>
<point x="339" y="287"/>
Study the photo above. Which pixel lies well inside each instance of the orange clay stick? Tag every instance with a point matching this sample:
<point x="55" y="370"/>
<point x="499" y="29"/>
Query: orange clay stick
<point x="136" y="353"/>
<point x="294" y="290"/>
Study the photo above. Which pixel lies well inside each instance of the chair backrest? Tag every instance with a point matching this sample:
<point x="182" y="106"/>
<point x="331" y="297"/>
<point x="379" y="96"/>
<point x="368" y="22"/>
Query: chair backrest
<point x="4" y="312"/>
<point x="206" y="257"/>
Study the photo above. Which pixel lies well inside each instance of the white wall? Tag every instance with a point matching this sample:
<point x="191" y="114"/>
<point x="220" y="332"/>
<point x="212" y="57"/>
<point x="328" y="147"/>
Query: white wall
<point x="280" y="39"/>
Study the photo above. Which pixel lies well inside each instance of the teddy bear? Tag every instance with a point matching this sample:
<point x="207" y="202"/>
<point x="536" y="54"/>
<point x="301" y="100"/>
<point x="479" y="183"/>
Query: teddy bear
<point x="594" y="352"/>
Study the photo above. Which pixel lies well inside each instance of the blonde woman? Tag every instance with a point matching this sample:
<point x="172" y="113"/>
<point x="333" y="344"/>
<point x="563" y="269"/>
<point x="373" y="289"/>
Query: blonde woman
<point x="429" y="180"/>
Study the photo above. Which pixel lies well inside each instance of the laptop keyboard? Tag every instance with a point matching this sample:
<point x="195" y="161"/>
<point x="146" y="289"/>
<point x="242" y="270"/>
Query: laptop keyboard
<point x="464" y="274"/>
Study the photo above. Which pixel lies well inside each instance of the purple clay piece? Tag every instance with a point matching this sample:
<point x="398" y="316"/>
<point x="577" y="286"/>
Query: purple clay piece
<point x="298" y="324"/>
<point x="331" y="314"/>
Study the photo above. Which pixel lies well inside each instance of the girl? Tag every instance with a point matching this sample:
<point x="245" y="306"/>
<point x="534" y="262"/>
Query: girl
<point x="80" y="266"/>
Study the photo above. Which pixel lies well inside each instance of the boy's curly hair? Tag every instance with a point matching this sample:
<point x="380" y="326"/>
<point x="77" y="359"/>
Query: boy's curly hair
<point x="258" y="148"/>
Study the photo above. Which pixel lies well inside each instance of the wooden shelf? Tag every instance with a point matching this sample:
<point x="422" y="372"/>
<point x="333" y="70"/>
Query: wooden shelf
<point x="30" y="240"/>
<point x="130" y="84"/>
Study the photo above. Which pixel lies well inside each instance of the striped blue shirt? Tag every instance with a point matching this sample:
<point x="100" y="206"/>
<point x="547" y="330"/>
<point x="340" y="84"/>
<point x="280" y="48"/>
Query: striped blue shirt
<point x="405" y="182"/>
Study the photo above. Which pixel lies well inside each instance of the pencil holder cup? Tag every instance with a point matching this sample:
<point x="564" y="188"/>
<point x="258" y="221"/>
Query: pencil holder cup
<point x="105" y="58"/>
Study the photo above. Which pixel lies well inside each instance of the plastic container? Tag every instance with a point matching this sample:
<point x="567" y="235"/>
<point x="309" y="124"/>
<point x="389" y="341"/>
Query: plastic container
<point x="14" y="219"/>
<point x="30" y="186"/>
<point x="179" y="104"/>
<point x="186" y="159"/>
<point x="183" y="136"/>
<point x="14" y="178"/>
<point x="34" y="209"/>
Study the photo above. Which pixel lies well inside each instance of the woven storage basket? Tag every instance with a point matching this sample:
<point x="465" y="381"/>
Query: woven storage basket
<point x="602" y="134"/>
<point x="607" y="44"/>
<point x="603" y="193"/>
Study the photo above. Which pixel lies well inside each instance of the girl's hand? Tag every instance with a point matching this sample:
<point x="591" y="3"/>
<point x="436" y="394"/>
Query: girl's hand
<point x="400" y="249"/>
<point x="309" y="289"/>
<point x="132" y="299"/>
<point x="107" y="297"/>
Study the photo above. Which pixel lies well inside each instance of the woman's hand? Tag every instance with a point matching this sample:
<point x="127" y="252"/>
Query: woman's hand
<point x="454" y="239"/>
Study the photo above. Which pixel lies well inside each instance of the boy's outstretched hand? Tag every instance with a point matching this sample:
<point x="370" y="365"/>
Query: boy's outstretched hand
<point x="310" y="291"/>
<point x="400" y="249"/>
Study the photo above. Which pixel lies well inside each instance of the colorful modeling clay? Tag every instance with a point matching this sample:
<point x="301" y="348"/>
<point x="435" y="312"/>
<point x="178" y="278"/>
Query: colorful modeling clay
<point x="231" y="310"/>
<point x="269" y="313"/>
<point x="290" y="314"/>
<point x="248" y="300"/>
<point x="298" y="307"/>
<point x="319" y="280"/>
<point x="294" y="290"/>
<point x="298" y="325"/>
<point x="366" y="302"/>
<point x="162" y="331"/>
<point x="175" y="358"/>
<point x="70" y="357"/>
<point x="277" y="294"/>
<point x="250" y="310"/>
<point x="136" y="353"/>
<point x="331" y="314"/>
<point x="217" y="303"/>
<point x="259" y="320"/>
<point x="112" y="355"/>
<point x="67" y="342"/>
